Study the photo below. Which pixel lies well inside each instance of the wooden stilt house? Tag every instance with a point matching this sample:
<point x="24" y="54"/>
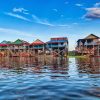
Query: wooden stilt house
<point x="38" y="46"/>
<point x="19" y="47"/>
<point x="58" y="46"/>
<point x="97" y="50"/>
<point x="88" y="45"/>
<point x="4" y="47"/>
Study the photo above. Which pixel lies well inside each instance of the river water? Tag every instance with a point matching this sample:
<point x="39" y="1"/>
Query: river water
<point x="49" y="79"/>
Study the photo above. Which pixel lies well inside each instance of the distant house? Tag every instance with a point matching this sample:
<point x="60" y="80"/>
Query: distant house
<point x="59" y="45"/>
<point x="88" y="45"/>
<point x="19" y="45"/>
<point x="37" y="46"/>
<point x="4" y="44"/>
<point x="20" y="42"/>
<point x="56" y="46"/>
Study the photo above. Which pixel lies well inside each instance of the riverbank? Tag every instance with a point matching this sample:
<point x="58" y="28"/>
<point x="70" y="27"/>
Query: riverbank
<point x="77" y="56"/>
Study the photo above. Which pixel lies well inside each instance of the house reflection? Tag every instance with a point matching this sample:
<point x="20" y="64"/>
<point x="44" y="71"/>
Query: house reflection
<point x="89" y="65"/>
<point x="35" y="64"/>
<point x="59" y="65"/>
<point x="51" y="65"/>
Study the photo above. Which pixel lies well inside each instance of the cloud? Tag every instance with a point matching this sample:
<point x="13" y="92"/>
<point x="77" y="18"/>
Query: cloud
<point x="45" y="22"/>
<point x="61" y="15"/>
<point x="40" y="21"/>
<point x="18" y="16"/>
<point x="97" y="4"/>
<point x="79" y="5"/>
<point x="55" y="10"/>
<point x="63" y="25"/>
<point x="66" y="2"/>
<point x="92" y="13"/>
<point x="75" y="23"/>
<point x="35" y="18"/>
<point x="21" y="10"/>
<point x="15" y="32"/>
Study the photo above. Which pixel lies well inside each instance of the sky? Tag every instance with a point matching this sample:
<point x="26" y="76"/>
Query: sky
<point x="44" y="19"/>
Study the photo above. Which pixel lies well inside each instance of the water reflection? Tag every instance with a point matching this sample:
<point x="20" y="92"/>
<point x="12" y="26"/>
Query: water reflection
<point x="73" y="69"/>
<point x="89" y="65"/>
<point x="72" y="66"/>
<point x="35" y="64"/>
<point x="49" y="79"/>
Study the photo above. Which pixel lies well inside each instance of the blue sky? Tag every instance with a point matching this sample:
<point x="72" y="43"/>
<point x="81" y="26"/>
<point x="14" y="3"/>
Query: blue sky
<point x="44" y="19"/>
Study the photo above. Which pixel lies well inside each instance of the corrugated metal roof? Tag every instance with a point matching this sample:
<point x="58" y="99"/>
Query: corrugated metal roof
<point x="6" y="42"/>
<point x="38" y="42"/>
<point x="59" y="38"/>
<point x="3" y="45"/>
<point x="91" y="36"/>
<point x="19" y="42"/>
<point x="57" y="41"/>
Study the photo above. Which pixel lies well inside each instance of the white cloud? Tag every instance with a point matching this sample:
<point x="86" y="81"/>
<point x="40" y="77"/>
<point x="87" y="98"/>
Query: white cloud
<point x="40" y="21"/>
<point x="15" y="32"/>
<point x="66" y="2"/>
<point x="45" y="22"/>
<point x="18" y="16"/>
<point x="97" y="4"/>
<point x="79" y="5"/>
<point x="92" y="13"/>
<point x="21" y="10"/>
<point x="35" y="19"/>
<point x="75" y="23"/>
<point x="55" y="10"/>
<point x="61" y="15"/>
<point x="63" y="25"/>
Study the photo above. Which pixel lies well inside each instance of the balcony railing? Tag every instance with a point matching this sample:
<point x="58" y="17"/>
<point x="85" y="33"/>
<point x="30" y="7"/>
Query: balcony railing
<point x="59" y="45"/>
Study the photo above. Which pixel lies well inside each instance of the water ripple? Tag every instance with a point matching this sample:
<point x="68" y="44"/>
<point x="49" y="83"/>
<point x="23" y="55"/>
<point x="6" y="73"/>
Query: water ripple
<point x="74" y="79"/>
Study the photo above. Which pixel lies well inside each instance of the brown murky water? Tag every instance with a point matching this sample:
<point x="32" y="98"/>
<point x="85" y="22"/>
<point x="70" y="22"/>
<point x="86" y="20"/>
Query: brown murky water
<point x="49" y="79"/>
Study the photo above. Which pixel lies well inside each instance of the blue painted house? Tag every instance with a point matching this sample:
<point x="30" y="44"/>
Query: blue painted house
<point x="58" y="45"/>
